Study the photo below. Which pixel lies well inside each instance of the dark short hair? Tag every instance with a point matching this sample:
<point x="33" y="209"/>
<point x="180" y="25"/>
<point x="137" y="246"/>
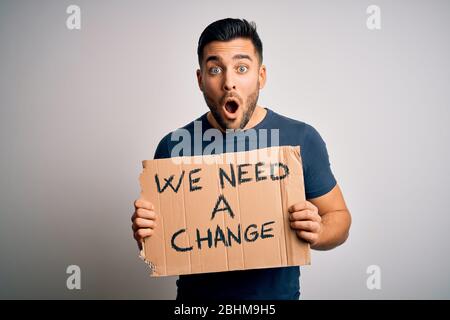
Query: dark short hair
<point x="229" y="29"/>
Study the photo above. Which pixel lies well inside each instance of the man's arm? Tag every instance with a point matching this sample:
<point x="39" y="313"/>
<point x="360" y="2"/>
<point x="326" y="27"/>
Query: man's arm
<point x="324" y="221"/>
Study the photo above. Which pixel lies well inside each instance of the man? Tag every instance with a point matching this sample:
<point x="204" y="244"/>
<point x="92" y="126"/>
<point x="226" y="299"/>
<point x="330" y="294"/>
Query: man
<point x="230" y="76"/>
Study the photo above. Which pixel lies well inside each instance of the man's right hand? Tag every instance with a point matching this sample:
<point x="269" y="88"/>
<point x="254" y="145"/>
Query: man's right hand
<point x="143" y="221"/>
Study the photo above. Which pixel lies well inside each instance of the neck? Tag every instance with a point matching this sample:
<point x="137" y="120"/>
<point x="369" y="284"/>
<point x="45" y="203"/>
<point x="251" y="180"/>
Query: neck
<point x="258" y="115"/>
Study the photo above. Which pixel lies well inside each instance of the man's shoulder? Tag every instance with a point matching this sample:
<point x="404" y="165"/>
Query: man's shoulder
<point x="288" y="125"/>
<point x="191" y="126"/>
<point x="165" y="144"/>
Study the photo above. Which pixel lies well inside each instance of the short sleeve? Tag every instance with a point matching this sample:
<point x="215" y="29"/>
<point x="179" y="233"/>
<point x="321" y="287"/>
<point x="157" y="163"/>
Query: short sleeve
<point x="318" y="177"/>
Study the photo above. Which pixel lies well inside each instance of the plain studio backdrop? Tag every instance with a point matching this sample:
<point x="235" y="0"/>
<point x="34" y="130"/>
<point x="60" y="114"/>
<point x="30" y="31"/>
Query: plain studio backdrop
<point x="80" y="110"/>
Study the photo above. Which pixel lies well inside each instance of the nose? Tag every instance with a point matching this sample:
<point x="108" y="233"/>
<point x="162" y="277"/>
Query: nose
<point x="229" y="81"/>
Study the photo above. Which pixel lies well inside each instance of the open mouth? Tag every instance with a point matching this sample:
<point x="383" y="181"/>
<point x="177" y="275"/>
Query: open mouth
<point x="231" y="106"/>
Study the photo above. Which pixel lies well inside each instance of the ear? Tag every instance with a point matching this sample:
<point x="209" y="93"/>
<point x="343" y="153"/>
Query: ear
<point x="199" y="79"/>
<point x="262" y="76"/>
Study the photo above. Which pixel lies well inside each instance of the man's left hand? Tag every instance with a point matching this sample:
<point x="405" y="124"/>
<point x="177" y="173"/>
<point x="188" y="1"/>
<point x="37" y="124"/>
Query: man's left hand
<point x="306" y="221"/>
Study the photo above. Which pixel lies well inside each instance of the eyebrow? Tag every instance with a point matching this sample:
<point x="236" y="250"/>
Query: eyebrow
<point x="235" y="57"/>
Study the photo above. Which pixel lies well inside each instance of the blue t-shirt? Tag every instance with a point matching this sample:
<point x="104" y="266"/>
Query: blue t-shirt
<point x="272" y="283"/>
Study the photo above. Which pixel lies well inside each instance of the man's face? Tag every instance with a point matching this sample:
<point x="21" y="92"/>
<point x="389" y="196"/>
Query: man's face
<point x="230" y="79"/>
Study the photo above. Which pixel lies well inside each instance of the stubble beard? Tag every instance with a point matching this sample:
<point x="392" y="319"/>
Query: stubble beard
<point x="252" y="100"/>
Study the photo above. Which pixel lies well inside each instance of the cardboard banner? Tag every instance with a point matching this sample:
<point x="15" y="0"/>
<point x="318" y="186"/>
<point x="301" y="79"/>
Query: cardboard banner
<point x="224" y="212"/>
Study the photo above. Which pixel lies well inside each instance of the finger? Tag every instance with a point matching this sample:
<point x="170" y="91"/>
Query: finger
<point x="310" y="226"/>
<point x="144" y="223"/>
<point x="298" y="206"/>
<point x="140" y="234"/>
<point x="306" y="214"/>
<point x="141" y="203"/>
<point x="310" y="205"/>
<point x="145" y="214"/>
<point x="310" y="237"/>
<point x="302" y="205"/>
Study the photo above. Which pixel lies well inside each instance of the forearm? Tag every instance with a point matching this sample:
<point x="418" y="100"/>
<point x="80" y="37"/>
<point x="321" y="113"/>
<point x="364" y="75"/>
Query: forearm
<point x="335" y="230"/>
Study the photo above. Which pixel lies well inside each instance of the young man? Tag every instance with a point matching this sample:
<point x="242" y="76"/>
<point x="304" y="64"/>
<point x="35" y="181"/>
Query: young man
<point x="230" y="76"/>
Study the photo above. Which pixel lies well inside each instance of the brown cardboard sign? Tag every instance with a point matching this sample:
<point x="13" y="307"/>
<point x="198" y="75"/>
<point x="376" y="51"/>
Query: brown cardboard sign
<point x="224" y="212"/>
